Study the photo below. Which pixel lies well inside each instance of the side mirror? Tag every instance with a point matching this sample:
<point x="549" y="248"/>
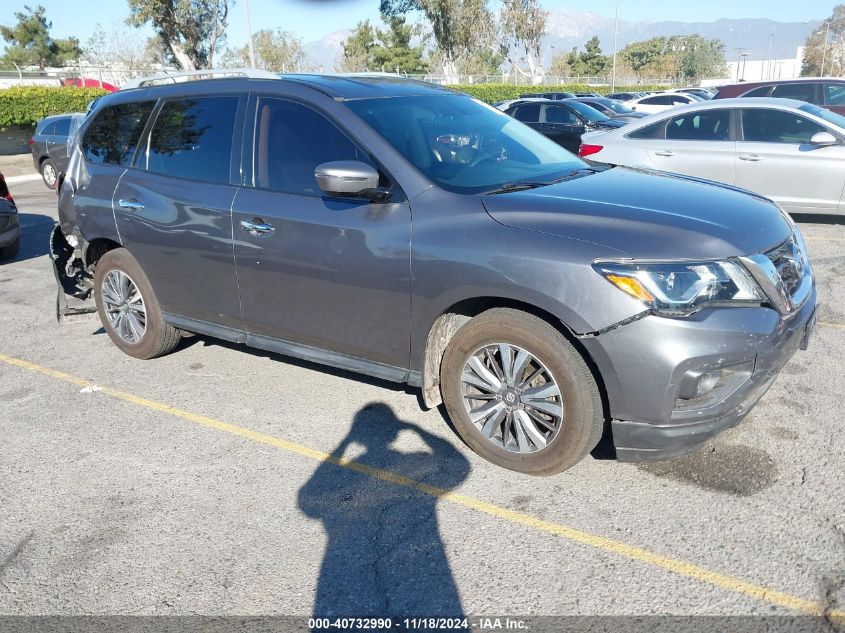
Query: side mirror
<point x="823" y="138"/>
<point x="350" y="179"/>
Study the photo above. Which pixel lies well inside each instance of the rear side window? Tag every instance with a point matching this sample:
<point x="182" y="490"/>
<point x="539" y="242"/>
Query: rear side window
<point x="662" y="100"/>
<point x="192" y="138"/>
<point x="528" y="113"/>
<point x="777" y="126"/>
<point x="762" y="91"/>
<point x="62" y="127"/>
<point x="802" y="92"/>
<point x="835" y="94"/>
<point x="47" y="128"/>
<point x="676" y="99"/>
<point x="557" y="114"/>
<point x="709" y="125"/>
<point x="113" y="135"/>
<point x="291" y="140"/>
<point x="655" y="130"/>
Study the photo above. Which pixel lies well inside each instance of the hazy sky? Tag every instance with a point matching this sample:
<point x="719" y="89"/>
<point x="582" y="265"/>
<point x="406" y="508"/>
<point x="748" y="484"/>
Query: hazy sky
<point x="312" y="19"/>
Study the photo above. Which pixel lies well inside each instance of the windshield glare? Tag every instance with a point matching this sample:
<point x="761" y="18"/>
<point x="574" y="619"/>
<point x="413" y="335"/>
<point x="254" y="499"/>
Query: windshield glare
<point x="616" y="106"/>
<point x="464" y="145"/>
<point x="824" y="113"/>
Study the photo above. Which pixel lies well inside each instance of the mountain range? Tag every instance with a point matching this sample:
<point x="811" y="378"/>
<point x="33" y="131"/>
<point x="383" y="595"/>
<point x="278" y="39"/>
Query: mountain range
<point x="567" y="29"/>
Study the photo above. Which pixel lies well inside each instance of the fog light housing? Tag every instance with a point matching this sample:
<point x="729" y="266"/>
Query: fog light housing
<point x="704" y="387"/>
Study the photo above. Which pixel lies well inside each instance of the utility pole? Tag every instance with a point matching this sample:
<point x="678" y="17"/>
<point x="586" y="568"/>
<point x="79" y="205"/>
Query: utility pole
<point x="615" y="42"/>
<point x="824" y="47"/>
<point x="249" y="34"/>
<point x="739" y="52"/>
<point x="769" y="59"/>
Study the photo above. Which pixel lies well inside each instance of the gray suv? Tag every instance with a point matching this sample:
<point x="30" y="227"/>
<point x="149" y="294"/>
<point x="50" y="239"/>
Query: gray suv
<point x="405" y="231"/>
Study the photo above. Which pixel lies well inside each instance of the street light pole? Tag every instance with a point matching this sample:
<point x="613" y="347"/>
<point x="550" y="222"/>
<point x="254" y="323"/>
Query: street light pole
<point x="739" y="52"/>
<point x="769" y="59"/>
<point x="615" y="42"/>
<point x="249" y="34"/>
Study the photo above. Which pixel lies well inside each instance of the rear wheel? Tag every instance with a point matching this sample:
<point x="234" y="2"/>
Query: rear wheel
<point x="519" y="394"/>
<point x="10" y="251"/>
<point x="128" y="307"/>
<point x="49" y="173"/>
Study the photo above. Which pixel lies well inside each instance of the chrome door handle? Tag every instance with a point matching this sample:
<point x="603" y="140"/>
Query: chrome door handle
<point x="665" y="153"/>
<point x="257" y="227"/>
<point x="752" y="158"/>
<point x="132" y="205"/>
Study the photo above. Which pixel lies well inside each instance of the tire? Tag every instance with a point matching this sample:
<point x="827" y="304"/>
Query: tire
<point x="49" y="173"/>
<point x="579" y="402"/>
<point x="158" y="338"/>
<point x="10" y="251"/>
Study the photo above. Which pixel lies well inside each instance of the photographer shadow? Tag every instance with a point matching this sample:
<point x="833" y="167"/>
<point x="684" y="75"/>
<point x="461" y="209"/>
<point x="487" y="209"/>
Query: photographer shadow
<point x="384" y="556"/>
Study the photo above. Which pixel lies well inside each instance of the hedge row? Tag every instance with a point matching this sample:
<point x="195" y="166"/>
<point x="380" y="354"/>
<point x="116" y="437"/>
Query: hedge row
<point x="26" y="105"/>
<point x="500" y="92"/>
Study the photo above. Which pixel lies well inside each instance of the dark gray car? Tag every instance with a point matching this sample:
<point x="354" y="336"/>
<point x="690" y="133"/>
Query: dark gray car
<point x="10" y="230"/>
<point x="49" y="145"/>
<point x="408" y="232"/>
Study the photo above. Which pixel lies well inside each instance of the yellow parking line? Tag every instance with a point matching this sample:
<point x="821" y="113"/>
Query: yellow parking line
<point x="639" y="554"/>
<point x="838" y="326"/>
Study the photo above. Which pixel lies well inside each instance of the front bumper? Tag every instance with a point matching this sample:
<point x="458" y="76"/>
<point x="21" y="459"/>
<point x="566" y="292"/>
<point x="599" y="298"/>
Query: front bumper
<point x="644" y="365"/>
<point x="10" y="229"/>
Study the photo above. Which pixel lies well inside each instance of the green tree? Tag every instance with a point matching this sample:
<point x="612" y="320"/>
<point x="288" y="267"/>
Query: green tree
<point x="30" y="44"/>
<point x="590" y="61"/>
<point x="191" y="30"/>
<point x="522" y="27"/>
<point x="368" y="48"/>
<point x="276" y="51"/>
<point x="823" y="50"/>
<point x="699" y="57"/>
<point x="356" y="48"/>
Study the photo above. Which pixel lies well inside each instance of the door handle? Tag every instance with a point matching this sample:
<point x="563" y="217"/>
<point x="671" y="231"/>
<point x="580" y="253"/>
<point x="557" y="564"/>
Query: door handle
<point x="664" y="153"/>
<point x="257" y="227"/>
<point x="752" y="158"/>
<point x="132" y="205"/>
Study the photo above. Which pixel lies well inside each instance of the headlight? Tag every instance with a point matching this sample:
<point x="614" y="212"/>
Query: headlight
<point x="681" y="288"/>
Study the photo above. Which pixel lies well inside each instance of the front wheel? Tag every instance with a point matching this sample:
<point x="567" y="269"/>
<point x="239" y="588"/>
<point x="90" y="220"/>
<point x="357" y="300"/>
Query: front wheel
<point x="128" y="307"/>
<point x="519" y="394"/>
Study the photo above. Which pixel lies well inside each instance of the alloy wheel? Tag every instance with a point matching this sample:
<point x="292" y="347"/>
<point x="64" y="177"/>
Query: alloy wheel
<point x="124" y="306"/>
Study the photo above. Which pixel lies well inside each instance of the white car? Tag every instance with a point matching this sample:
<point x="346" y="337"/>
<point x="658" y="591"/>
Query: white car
<point x="658" y="103"/>
<point x="790" y="151"/>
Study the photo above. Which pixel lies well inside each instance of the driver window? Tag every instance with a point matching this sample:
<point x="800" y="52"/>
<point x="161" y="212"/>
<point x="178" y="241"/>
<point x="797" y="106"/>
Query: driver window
<point x="291" y="140"/>
<point x="560" y="115"/>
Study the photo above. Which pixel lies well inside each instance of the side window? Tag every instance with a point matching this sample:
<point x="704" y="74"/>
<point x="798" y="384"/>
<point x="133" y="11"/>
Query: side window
<point x="708" y="125"/>
<point x="192" y="138"/>
<point x="655" y="130"/>
<point x="62" y="127"/>
<point x="659" y="100"/>
<point x="835" y="94"/>
<point x="680" y="99"/>
<point x="528" y="113"/>
<point x="48" y="129"/>
<point x="762" y="91"/>
<point x="805" y="91"/>
<point x="556" y="114"/>
<point x="291" y="140"/>
<point x="777" y="126"/>
<point x="112" y="136"/>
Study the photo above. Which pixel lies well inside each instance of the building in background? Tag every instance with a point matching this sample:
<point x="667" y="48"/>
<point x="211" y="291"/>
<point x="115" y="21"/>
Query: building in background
<point x="752" y="68"/>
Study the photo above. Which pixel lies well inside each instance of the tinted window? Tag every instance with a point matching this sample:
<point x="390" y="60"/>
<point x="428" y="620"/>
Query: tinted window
<point x="676" y="99"/>
<point x="762" y="91"/>
<point x="655" y="130"/>
<point x="662" y="100"/>
<point x="803" y="92"/>
<point x="48" y="128"/>
<point x="709" y="125"/>
<point x="835" y="94"/>
<point x="62" y="127"/>
<point x="192" y="138"/>
<point x="291" y="140"/>
<point x="557" y="114"/>
<point x="528" y="113"/>
<point x="112" y="136"/>
<point x="777" y="126"/>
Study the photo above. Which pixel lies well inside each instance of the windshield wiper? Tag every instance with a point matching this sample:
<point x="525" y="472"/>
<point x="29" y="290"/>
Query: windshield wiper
<point x="519" y="185"/>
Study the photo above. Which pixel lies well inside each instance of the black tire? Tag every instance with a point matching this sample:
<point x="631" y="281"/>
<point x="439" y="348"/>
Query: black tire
<point x="49" y="173"/>
<point x="583" y="415"/>
<point x="10" y="251"/>
<point x="159" y="338"/>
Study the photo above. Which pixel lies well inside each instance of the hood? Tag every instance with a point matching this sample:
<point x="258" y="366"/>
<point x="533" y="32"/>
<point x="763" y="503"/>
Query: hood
<point x="648" y="215"/>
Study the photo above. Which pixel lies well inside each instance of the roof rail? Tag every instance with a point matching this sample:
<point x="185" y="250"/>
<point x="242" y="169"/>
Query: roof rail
<point x="194" y="75"/>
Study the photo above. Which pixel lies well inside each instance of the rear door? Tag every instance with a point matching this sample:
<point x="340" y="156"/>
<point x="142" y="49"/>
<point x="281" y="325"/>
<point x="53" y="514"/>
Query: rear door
<point x="173" y="207"/>
<point x="563" y="126"/>
<point x="699" y="144"/>
<point x="775" y="158"/>
<point x="57" y="142"/>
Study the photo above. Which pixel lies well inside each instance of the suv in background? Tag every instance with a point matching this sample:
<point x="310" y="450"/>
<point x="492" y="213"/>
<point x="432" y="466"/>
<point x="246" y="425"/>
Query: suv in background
<point x="827" y="93"/>
<point x="49" y="145"/>
<point x="406" y="231"/>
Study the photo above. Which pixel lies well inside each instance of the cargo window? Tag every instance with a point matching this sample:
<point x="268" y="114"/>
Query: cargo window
<point x="192" y="138"/>
<point x="835" y="94"/>
<point x="113" y="135"/>
<point x="291" y="140"/>
<point x="777" y="126"/>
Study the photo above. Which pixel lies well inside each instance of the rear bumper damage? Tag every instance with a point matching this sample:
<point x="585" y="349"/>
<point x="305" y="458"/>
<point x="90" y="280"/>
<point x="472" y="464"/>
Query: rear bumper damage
<point x="74" y="300"/>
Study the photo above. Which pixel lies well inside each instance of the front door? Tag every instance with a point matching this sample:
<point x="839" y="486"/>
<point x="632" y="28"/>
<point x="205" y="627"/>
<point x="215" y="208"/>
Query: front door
<point x="562" y="126"/>
<point x="320" y="272"/>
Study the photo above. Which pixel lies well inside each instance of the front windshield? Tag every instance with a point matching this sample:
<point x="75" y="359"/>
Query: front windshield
<point x="591" y="114"/>
<point x="619" y="108"/>
<point x="463" y="145"/>
<point x="824" y="113"/>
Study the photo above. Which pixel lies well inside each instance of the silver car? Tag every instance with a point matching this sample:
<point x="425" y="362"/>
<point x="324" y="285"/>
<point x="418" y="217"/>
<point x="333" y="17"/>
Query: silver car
<point x="790" y="151"/>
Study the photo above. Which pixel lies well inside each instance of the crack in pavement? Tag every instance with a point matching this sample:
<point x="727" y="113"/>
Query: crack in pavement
<point x="13" y="555"/>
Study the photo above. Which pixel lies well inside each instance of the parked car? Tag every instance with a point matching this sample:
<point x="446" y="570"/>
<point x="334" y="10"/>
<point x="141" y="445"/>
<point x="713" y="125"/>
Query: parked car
<point x="699" y="92"/>
<point x="507" y="103"/>
<point x="562" y="121"/>
<point x="827" y="93"/>
<point x="624" y="96"/>
<point x="661" y="102"/>
<point x="49" y="145"/>
<point x="611" y="108"/>
<point x="10" y="230"/>
<point x="587" y="94"/>
<point x="430" y="239"/>
<point x="790" y="151"/>
<point x="554" y="96"/>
